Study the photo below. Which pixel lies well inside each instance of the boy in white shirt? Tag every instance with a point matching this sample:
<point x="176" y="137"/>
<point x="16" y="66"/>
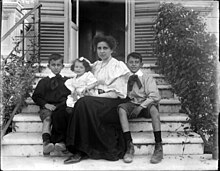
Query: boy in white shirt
<point x="144" y="97"/>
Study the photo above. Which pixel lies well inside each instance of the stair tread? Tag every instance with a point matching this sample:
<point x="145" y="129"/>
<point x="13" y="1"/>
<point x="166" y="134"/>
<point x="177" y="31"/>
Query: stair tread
<point x="138" y="138"/>
<point x="162" y="101"/>
<point x="166" y="117"/>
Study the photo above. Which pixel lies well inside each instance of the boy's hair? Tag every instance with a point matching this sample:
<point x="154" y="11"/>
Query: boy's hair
<point x="135" y="55"/>
<point x="85" y="63"/>
<point x="55" y="57"/>
<point x="102" y="38"/>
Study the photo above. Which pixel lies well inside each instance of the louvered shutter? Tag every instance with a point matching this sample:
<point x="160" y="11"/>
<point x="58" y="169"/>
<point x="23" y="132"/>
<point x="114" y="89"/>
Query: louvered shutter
<point x="145" y="14"/>
<point x="52" y="28"/>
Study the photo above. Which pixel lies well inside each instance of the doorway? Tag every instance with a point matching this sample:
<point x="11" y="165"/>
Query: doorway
<point x="101" y="17"/>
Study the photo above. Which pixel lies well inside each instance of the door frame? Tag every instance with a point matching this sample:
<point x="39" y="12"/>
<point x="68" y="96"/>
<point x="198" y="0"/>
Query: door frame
<point x="68" y="25"/>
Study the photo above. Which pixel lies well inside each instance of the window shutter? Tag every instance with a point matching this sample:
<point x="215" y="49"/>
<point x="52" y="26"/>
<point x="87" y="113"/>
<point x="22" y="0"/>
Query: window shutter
<point x="145" y="14"/>
<point x="52" y="28"/>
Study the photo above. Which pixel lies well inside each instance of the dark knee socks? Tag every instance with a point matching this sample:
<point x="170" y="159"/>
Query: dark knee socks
<point x="46" y="137"/>
<point x="157" y="136"/>
<point x="127" y="136"/>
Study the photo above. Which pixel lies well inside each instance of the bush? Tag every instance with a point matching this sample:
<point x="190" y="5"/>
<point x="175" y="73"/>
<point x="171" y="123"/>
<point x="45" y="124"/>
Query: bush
<point x="17" y="79"/>
<point x="187" y="58"/>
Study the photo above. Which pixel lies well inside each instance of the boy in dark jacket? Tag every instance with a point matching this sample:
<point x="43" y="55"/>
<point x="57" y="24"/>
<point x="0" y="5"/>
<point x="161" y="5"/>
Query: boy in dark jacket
<point x="51" y="94"/>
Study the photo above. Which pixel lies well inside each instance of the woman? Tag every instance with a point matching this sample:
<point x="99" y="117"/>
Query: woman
<point x="94" y="129"/>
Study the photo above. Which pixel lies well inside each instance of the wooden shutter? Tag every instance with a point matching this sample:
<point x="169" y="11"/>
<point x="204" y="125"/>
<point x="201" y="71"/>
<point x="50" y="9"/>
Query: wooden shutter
<point x="52" y="28"/>
<point x="144" y="16"/>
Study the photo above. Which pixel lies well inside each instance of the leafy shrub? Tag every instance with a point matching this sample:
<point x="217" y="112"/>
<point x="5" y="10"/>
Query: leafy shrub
<point x="187" y="58"/>
<point x="17" y="79"/>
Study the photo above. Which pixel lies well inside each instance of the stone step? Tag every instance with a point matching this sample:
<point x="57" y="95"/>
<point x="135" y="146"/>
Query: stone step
<point x="171" y="105"/>
<point x="30" y="144"/>
<point x="169" y="122"/>
<point x="140" y="162"/>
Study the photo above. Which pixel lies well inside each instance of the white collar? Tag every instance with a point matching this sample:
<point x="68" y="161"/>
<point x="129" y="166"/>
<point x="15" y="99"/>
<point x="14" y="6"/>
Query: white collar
<point x="139" y="73"/>
<point x="51" y="75"/>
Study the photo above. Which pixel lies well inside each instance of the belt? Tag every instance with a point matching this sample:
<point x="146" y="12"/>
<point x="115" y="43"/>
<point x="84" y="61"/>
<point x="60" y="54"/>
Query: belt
<point x="100" y="91"/>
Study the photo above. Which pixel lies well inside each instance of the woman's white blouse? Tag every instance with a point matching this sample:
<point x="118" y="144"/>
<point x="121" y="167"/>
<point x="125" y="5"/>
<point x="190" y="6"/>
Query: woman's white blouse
<point x="114" y="74"/>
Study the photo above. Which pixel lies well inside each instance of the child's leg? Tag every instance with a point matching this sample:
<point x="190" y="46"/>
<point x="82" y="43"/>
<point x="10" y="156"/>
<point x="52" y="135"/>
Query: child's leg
<point x="158" y="151"/>
<point x="45" y="116"/>
<point x="129" y="154"/>
<point x="60" y="120"/>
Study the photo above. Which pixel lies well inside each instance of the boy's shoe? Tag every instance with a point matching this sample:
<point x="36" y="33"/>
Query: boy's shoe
<point x="158" y="153"/>
<point x="129" y="155"/>
<point x="60" y="147"/>
<point x="47" y="148"/>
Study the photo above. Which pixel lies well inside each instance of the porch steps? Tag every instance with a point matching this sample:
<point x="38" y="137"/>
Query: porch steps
<point x="177" y="137"/>
<point x="30" y="144"/>
<point x="30" y="122"/>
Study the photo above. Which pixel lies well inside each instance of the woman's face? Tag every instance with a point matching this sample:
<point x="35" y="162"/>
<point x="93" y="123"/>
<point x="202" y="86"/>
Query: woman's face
<point x="104" y="51"/>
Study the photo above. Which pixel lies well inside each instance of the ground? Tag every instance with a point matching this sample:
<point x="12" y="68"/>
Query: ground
<point x="170" y="162"/>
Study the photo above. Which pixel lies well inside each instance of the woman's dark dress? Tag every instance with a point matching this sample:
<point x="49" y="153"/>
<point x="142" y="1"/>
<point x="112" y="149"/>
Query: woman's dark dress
<point x="94" y="128"/>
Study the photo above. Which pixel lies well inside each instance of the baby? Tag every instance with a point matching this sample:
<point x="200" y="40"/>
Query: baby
<point x="83" y="83"/>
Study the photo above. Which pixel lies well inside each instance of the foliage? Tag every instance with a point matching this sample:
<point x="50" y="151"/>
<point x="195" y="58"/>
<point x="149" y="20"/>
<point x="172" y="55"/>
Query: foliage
<point x="17" y="79"/>
<point x="187" y="58"/>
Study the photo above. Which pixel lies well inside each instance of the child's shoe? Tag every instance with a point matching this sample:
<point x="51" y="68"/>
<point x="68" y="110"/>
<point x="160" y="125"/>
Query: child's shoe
<point x="60" y="147"/>
<point x="158" y="153"/>
<point x="129" y="155"/>
<point x="47" y="148"/>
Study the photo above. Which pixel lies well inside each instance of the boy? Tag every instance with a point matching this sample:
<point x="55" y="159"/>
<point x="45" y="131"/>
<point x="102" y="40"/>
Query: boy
<point x="144" y="97"/>
<point x="51" y="94"/>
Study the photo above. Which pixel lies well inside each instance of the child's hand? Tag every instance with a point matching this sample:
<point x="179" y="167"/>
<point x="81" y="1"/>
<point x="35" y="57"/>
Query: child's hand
<point x="136" y="111"/>
<point x="85" y="91"/>
<point x="50" y="107"/>
<point x="74" y="96"/>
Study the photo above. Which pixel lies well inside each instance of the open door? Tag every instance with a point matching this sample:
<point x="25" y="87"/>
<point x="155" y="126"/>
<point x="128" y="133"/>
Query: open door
<point x="101" y="17"/>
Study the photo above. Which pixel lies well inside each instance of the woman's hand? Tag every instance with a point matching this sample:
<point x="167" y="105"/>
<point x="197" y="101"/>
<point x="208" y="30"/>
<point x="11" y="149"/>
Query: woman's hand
<point x="86" y="92"/>
<point x="50" y="107"/>
<point x="100" y="82"/>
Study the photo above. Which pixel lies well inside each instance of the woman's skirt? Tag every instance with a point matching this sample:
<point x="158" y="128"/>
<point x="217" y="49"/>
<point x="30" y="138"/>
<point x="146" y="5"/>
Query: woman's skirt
<point x="94" y="128"/>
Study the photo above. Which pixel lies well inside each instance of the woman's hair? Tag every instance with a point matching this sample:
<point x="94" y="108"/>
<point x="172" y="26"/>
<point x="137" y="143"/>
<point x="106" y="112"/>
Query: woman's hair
<point x="135" y="55"/>
<point x="102" y="38"/>
<point x="85" y="63"/>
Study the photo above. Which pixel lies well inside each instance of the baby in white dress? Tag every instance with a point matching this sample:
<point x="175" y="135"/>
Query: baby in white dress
<point x="83" y="83"/>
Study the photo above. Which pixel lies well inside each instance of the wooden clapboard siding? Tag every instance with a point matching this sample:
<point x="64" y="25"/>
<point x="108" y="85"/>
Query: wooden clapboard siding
<point x="144" y="16"/>
<point x="52" y="28"/>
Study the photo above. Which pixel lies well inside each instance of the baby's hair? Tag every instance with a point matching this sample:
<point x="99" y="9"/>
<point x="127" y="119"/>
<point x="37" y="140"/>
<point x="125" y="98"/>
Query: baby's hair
<point x="55" y="57"/>
<point x="108" y="39"/>
<point x="85" y="63"/>
<point x="135" y="55"/>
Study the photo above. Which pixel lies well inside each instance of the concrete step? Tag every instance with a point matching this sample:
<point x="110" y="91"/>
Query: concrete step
<point x="169" y="162"/>
<point x="30" y="144"/>
<point x="166" y="106"/>
<point x="30" y="122"/>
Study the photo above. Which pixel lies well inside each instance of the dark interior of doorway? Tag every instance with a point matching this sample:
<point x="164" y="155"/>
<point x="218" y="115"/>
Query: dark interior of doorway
<point x="101" y="17"/>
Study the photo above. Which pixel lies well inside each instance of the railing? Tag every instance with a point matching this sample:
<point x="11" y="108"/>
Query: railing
<point x="30" y="32"/>
<point x="27" y="35"/>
